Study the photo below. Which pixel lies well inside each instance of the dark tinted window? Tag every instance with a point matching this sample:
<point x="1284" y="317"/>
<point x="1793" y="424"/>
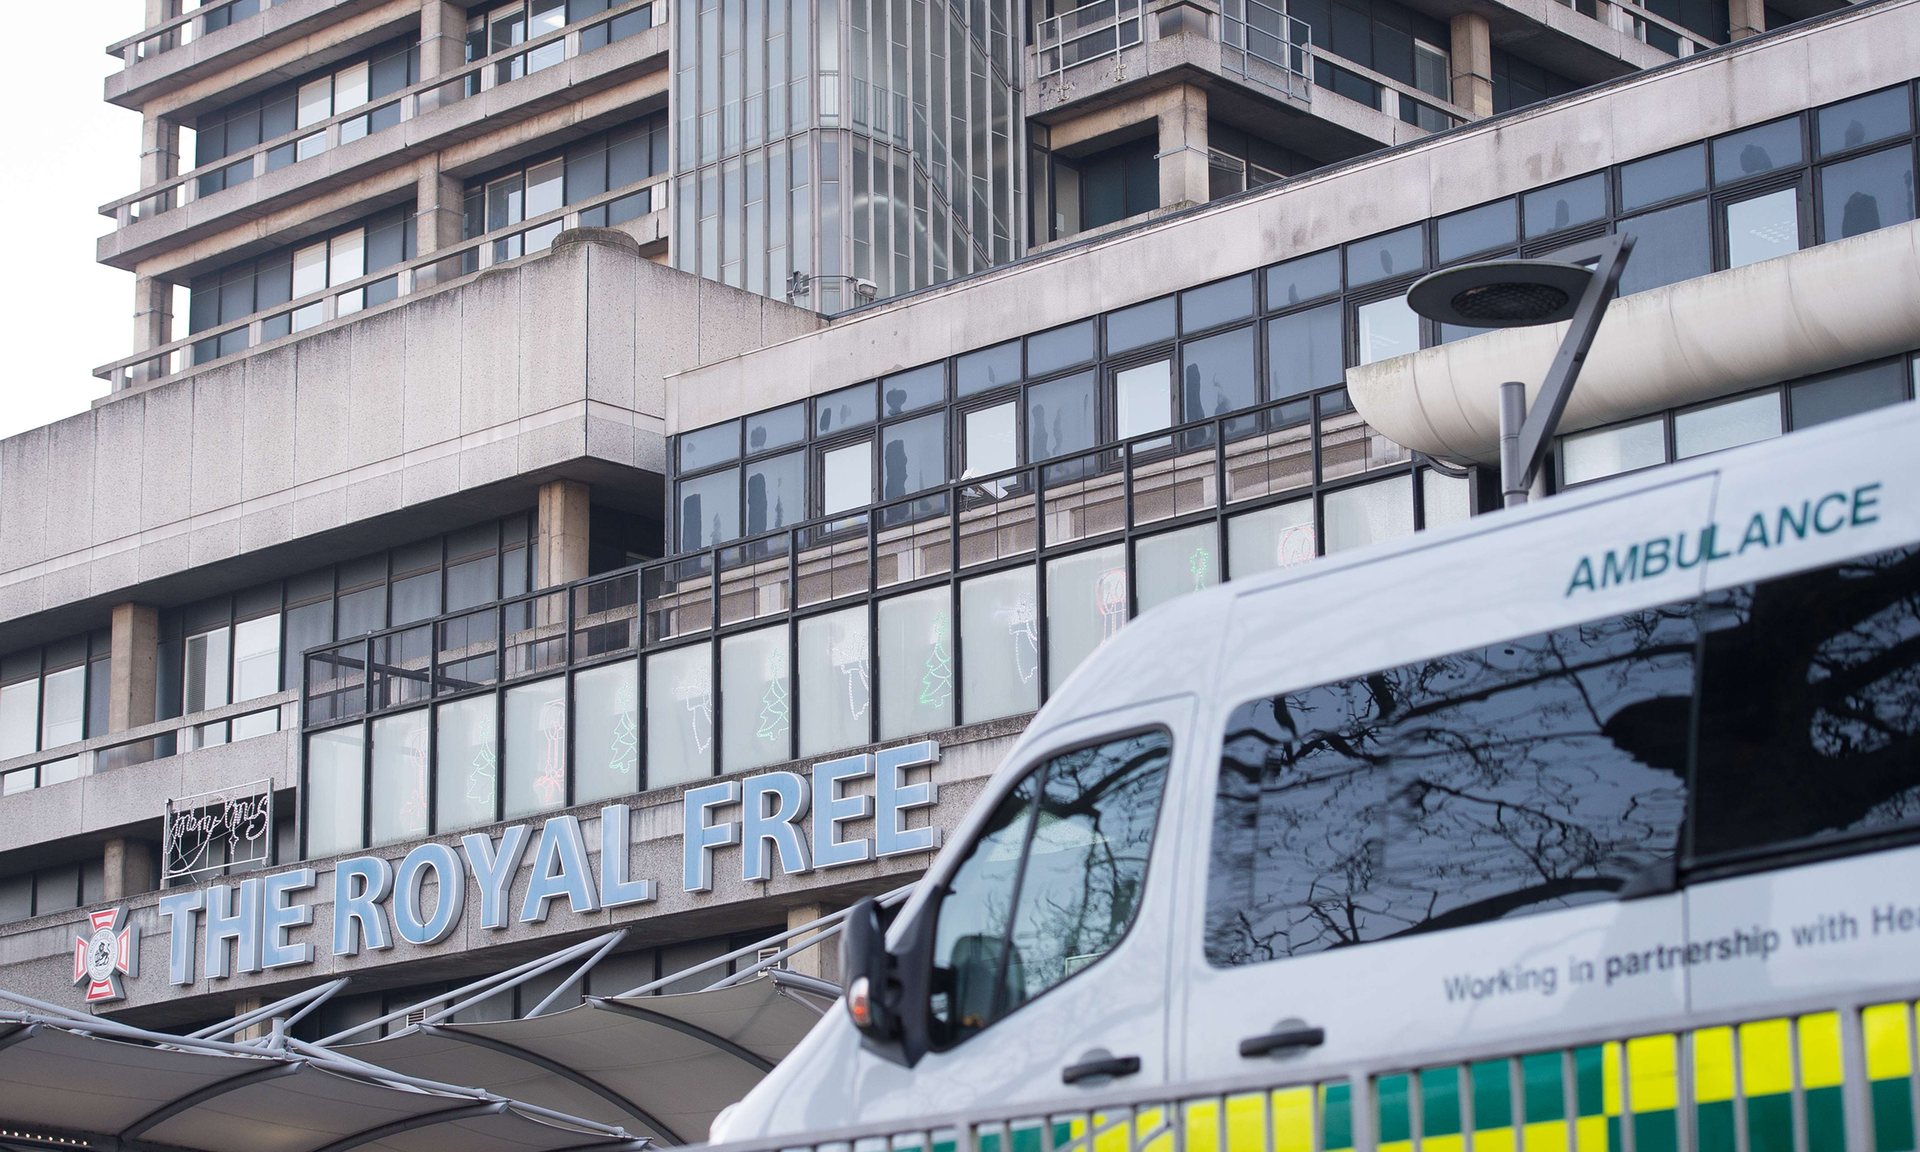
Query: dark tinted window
<point x="1757" y="150"/>
<point x="1670" y="245"/>
<point x="1862" y="121"/>
<point x="1060" y="417"/>
<point x="1216" y="304"/>
<point x="1474" y="231"/>
<point x="1217" y="375"/>
<point x="1140" y="325"/>
<point x="778" y="428"/>
<point x="1051" y="885"/>
<point x="707" y="446"/>
<point x="1663" y="177"/>
<point x="1383" y="257"/>
<point x="847" y="408"/>
<point x="1847" y="392"/>
<point x="1565" y="205"/>
<point x="1060" y="348"/>
<point x="776" y="492"/>
<point x="987" y="368"/>
<point x="1810" y="706"/>
<point x="1874" y="191"/>
<point x="1303" y="279"/>
<point x="1524" y="776"/>
<point x="913" y="456"/>
<point x="1305" y="350"/>
<point x="911" y="391"/>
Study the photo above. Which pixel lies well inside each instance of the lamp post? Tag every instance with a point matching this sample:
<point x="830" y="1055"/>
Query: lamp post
<point x="1520" y="294"/>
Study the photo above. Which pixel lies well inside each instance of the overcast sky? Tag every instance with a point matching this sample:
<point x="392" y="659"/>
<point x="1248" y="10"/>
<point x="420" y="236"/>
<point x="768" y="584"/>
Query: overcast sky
<point x="72" y="152"/>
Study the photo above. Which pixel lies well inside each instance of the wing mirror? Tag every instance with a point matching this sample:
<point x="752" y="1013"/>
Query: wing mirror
<point x="872" y="993"/>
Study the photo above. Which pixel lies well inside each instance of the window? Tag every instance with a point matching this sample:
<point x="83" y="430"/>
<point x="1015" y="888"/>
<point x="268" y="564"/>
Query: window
<point x="1385" y="329"/>
<point x="992" y="440"/>
<point x="1000" y="632"/>
<point x="1605" y="452"/>
<point x="1061" y="417"/>
<point x="1305" y="350"/>
<point x="776" y="492"/>
<point x="1871" y="192"/>
<point x="1681" y="172"/>
<point x="1864" y="120"/>
<point x="1143" y="399"/>
<point x="1575" y="202"/>
<point x="1762" y="227"/>
<point x="1726" y="425"/>
<point x="606" y="732"/>
<point x="1476" y="230"/>
<point x="1670" y="245"/>
<point x="1524" y="776"/>
<point x="1087" y="605"/>
<point x="1217" y="375"/>
<point x="1757" y="151"/>
<point x="758" y="700"/>
<point x="1368" y="513"/>
<point x="1051" y="886"/>
<point x="913" y="456"/>
<point x="1385" y="257"/>
<point x="709" y="511"/>
<point x="1849" y="391"/>
<point x="846" y="478"/>
<point x="835" y="687"/>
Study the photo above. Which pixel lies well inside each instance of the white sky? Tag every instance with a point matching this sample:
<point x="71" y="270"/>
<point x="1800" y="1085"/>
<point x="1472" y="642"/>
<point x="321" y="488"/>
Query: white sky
<point x="72" y="152"/>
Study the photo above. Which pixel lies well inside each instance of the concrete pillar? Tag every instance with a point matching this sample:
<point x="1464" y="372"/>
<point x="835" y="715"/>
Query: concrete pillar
<point x="159" y="150"/>
<point x="243" y="1005"/>
<point x="1746" y="18"/>
<point x="443" y="38"/>
<point x="1473" y="63"/>
<point x="128" y="869"/>
<point x="560" y="549"/>
<point x="439" y="205"/>
<point x="1183" y="148"/>
<point x="823" y="961"/>
<point x="152" y="324"/>
<point x="136" y="651"/>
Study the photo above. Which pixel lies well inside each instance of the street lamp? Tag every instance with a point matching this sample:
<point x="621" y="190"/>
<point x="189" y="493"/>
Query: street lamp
<point x="1520" y="294"/>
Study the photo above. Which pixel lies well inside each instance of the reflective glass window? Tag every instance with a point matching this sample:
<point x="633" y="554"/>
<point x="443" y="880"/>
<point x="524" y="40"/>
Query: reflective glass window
<point x="1217" y="375"/>
<point x="1726" y="425"/>
<point x="1476" y="230"/>
<point x="465" y="763"/>
<point x="906" y="392"/>
<point x="705" y="447"/>
<point x="1061" y="417"/>
<point x="835" y="681"/>
<point x="1143" y="398"/>
<point x="1086" y="606"/>
<point x="1444" y="499"/>
<point x="986" y="369"/>
<point x="757" y="697"/>
<point x="606" y="732"/>
<point x="1762" y="228"/>
<point x="1303" y="278"/>
<point x="1368" y="514"/>
<point x="334" y="792"/>
<point x="205" y="684"/>
<point x="1565" y="205"/>
<point x="970" y="936"/>
<point x="1610" y="451"/>
<point x="1000" y="634"/>
<point x="64" y="714"/>
<point x="992" y="440"/>
<point x="1863" y="120"/>
<point x="536" y="747"/>
<point x="1677" y="173"/>
<point x="776" y="429"/>
<point x="1670" y="245"/>
<point x="916" y="664"/>
<point x="776" y="492"/>
<point x="1272" y="538"/>
<point x="679" y="715"/>
<point x="847" y="408"/>
<point x="1305" y="350"/>
<point x="1847" y="392"/>
<point x="1385" y="329"/>
<point x="256" y="657"/>
<point x="1757" y="151"/>
<point x="1067" y="347"/>
<point x="1212" y="305"/>
<point x="1172" y="564"/>
<point x="399" y="777"/>
<point x="1384" y="257"/>
<point x="846" y="478"/>
<point x="1858" y="196"/>
<point x="913" y="456"/>
<point x="1140" y="325"/>
<point x="709" y="510"/>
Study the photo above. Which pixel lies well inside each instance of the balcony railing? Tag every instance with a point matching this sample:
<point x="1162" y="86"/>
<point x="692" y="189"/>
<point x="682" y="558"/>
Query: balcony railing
<point x="1098" y="30"/>
<point x="177" y="32"/>
<point x="382" y="113"/>
<point x="1262" y="43"/>
<point x="438" y="268"/>
<point x="244" y="720"/>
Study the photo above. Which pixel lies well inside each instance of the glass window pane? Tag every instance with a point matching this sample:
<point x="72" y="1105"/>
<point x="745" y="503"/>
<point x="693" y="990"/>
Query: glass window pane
<point x="913" y="456"/>
<point x="1858" y="196"/>
<point x="1060" y="417"/>
<point x="1387" y="328"/>
<point x="756" y="699"/>
<point x="847" y="408"/>
<point x="986" y="369"/>
<point x="1446" y="499"/>
<point x="1174" y="564"/>
<point x="346" y="257"/>
<point x="1847" y="392"/>
<point x="709" y="510"/>
<point x="334" y="791"/>
<point x="1565" y="205"/>
<point x="1863" y="120"/>
<point x="536" y="746"/>
<point x="1670" y="245"/>
<point x="1143" y="398"/>
<point x="680" y="715"/>
<point x="1212" y="305"/>
<point x="992" y="444"/>
<point x="350" y="87"/>
<point x="309" y="269"/>
<point x="776" y="429"/>
<point x="256" y="657"/>
<point x="1086" y="606"/>
<point x="64" y="718"/>
<point x="205" y="684"/>
<point x="1271" y="538"/>
<point x="1727" y="425"/>
<point x="970" y="935"/>
<point x="465" y="763"/>
<point x="1067" y="347"/>
<point x="704" y="447"/>
<point x="400" y="777"/>
<point x="1757" y="151"/>
<point x="1305" y="350"/>
<point x="835" y="690"/>
<point x="316" y="101"/>
<point x="1763" y="227"/>
<point x="606" y="732"/>
<point x="1140" y="325"/>
<point x="1663" y="177"/>
<point x="1304" y="278"/>
<point x="1368" y="514"/>
<point x="1384" y="257"/>
<point x="1476" y="230"/>
<point x="776" y="492"/>
<point x="1217" y="376"/>
<point x="916" y="664"/>
<point x="1610" y="451"/>
<point x="911" y="391"/>
<point x="999" y="637"/>
<point x="846" y="477"/>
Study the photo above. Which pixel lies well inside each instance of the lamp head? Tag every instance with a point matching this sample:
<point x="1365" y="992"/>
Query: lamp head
<point x="1501" y="293"/>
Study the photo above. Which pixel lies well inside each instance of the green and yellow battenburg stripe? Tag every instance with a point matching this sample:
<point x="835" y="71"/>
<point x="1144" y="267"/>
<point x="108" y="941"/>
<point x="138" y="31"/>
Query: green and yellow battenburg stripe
<point x="1774" y="1085"/>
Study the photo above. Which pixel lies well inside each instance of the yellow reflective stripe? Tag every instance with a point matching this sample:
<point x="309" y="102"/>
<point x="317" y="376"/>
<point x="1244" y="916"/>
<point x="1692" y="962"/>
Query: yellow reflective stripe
<point x="1202" y="1118"/>
<point x="1820" y="1062"/>
<point x="1495" y="1140"/>
<point x="1590" y="1134"/>
<point x="1545" y="1136"/>
<point x="1766" y="1057"/>
<point x="1713" y="1065"/>
<point x="1651" y="1074"/>
<point x="1153" y="1132"/>
<point x="1293" y="1120"/>
<point x="1889" y="1051"/>
<point x="1453" y="1142"/>
<point x="1246" y="1124"/>
<point x="1610" y="1078"/>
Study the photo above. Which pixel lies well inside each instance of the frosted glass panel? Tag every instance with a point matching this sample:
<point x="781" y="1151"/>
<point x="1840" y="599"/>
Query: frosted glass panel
<point x="680" y="716"/>
<point x="999" y="632"/>
<point x="1382" y="510"/>
<point x="835" y="691"/>
<point x="536" y="747"/>
<point x="1272" y="538"/>
<point x="1086" y="605"/>
<point x="1175" y="563"/>
<point x="916" y="664"/>
<point x="757" y="694"/>
<point x="400" y="777"/>
<point x="465" y="763"/>
<point x="333" y="792"/>
<point x="606" y="732"/>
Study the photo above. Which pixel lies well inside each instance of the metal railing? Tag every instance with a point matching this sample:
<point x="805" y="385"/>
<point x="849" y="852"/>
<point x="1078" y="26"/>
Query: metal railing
<point x="177" y="32"/>
<point x="439" y="268"/>
<point x="1261" y="43"/>
<point x="384" y="112"/>
<point x="1098" y="30"/>
<point x="232" y="723"/>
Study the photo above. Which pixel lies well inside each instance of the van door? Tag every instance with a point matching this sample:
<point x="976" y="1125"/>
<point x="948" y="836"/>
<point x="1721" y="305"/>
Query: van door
<point x="1048" y="933"/>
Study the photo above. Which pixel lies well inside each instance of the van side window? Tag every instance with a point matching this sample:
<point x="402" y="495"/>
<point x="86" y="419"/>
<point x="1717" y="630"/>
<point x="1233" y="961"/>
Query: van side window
<point x="1810" y="707"/>
<point x="1050" y="886"/>
<point x="1528" y="775"/>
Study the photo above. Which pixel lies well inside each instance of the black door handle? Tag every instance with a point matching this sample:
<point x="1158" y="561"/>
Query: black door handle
<point x="1282" y="1040"/>
<point x="1100" y="1066"/>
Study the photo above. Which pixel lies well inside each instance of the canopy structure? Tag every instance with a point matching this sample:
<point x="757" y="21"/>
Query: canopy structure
<point x="612" y="1072"/>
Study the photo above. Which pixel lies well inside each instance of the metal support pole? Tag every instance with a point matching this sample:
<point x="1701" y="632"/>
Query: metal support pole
<point x="1513" y="414"/>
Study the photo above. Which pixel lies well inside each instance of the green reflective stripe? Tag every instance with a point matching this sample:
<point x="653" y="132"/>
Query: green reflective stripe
<point x="1892" y="1115"/>
<point x="1826" y="1120"/>
<point x="1492" y="1095"/>
<point x="1394" y="1094"/>
<point x="1714" y="1127"/>
<point x="1770" y="1123"/>
<point x="987" y="1140"/>
<point x="1656" y="1131"/>
<point x="1336" y="1122"/>
<point x="1545" y="1095"/>
<point x="1440" y="1102"/>
<point x="1588" y="1082"/>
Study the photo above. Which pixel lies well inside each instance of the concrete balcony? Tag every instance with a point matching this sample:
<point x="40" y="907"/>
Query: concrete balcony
<point x="176" y="54"/>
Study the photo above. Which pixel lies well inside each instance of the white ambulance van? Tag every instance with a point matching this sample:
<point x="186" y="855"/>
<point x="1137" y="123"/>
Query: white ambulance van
<point x="1617" y="794"/>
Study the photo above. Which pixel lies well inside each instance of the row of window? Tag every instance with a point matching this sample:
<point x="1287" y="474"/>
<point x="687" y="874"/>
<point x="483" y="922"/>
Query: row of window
<point x="1677" y="435"/>
<point x="58" y="889"/>
<point x="604" y="162"/>
<point x="54" y="695"/>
